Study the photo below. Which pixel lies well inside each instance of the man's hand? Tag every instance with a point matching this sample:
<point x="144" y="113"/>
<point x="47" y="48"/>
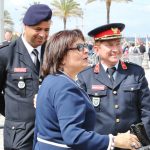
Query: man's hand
<point x="126" y="141"/>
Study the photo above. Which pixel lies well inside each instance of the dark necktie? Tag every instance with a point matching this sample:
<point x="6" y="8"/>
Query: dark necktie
<point x="37" y="62"/>
<point x="111" y="71"/>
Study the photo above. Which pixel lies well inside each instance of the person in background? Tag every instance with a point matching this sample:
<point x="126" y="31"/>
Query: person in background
<point x="135" y="55"/>
<point x="90" y="48"/>
<point x="142" y="48"/>
<point x="20" y="77"/>
<point x="65" y="116"/>
<point x="149" y="50"/>
<point x="7" y="39"/>
<point x="8" y="36"/>
<point x="118" y="90"/>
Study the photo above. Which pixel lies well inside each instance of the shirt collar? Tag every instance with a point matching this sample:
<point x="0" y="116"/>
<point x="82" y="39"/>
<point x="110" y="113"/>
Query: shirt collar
<point x="105" y="66"/>
<point x="29" y="47"/>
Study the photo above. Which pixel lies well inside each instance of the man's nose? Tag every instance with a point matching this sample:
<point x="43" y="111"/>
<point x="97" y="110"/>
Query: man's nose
<point x="43" y="33"/>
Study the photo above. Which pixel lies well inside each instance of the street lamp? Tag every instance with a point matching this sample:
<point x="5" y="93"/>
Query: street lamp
<point x="1" y="20"/>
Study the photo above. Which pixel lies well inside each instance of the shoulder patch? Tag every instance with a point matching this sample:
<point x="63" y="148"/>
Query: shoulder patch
<point x="131" y="64"/>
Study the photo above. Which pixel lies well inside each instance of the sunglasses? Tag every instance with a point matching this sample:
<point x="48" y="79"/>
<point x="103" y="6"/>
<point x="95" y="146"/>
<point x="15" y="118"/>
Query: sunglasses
<point x="80" y="47"/>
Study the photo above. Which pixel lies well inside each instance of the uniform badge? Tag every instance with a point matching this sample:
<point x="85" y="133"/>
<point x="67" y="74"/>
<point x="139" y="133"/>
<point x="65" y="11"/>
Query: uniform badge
<point x="95" y="101"/>
<point x="21" y="83"/>
<point x="20" y="69"/>
<point x="98" y="87"/>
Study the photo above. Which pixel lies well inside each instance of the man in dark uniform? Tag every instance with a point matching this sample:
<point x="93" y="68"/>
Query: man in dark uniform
<point x="19" y="78"/>
<point x="118" y="90"/>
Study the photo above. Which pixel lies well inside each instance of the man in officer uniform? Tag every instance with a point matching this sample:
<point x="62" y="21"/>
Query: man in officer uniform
<point x="118" y="90"/>
<point x="19" y="78"/>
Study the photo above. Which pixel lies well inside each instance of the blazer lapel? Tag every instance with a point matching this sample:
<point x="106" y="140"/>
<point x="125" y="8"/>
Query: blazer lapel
<point x="103" y="77"/>
<point x="24" y="55"/>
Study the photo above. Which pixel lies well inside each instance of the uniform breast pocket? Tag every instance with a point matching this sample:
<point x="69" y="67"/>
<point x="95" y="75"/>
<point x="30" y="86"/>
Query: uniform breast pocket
<point x="96" y="98"/>
<point x="131" y="91"/>
<point x="22" y="84"/>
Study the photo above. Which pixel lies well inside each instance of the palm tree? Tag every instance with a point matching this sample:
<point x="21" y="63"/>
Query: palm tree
<point x="108" y="5"/>
<point x="65" y="9"/>
<point x="8" y="22"/>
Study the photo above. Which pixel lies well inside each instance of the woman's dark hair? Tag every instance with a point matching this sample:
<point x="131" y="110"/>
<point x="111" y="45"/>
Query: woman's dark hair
<point x="56" y="49"/>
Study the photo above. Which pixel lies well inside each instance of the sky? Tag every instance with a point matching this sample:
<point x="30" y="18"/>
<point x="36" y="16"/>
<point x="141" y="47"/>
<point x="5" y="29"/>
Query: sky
<point x="135" y="15"/>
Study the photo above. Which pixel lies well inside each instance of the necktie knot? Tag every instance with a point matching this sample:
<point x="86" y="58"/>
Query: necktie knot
<point x="35" y="52"/>
<point x="36" y="62"/>
<point x="111" y="70"/>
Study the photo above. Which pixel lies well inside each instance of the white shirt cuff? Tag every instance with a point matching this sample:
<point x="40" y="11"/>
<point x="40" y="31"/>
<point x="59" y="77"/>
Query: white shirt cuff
<point x="111" y="142"/>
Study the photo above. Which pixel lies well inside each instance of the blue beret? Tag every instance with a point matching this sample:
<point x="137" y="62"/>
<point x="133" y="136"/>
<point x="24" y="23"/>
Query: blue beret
<point x="36" y="14"/>
<point x="107" y="31"/>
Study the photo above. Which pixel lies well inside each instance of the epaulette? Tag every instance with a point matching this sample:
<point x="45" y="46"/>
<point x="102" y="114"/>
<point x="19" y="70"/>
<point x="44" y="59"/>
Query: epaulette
<point x="126" y="61"/>
<point x="129" y="63"/>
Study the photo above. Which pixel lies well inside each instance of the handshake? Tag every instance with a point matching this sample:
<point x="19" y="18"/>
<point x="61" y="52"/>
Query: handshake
<point x="139" y="131"/>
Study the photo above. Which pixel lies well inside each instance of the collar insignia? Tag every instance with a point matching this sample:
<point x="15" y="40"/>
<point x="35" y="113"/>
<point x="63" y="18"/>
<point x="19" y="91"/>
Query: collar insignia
<point x="96" y="68"/>
<point x="124" y="66"/>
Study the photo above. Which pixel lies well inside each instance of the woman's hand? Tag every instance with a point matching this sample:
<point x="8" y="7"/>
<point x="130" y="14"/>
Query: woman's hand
<point x="126" y="141"/>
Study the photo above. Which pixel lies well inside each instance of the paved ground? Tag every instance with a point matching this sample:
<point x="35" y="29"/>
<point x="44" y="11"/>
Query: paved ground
<point x="147" y="72"/>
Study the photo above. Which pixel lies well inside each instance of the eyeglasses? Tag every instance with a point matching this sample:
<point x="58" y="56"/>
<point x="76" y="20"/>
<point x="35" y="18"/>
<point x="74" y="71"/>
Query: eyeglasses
<point x="80" y="47"/>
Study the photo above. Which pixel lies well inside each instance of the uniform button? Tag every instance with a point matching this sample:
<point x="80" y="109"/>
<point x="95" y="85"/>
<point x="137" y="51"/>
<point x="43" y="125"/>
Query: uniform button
<point x="116" y="106"/>
<point x="117" y="120"/>
<point x="96" y="94"/>
<point x="13" y="128"/>
<point x="132" y="89"/>
<point x="21" y="78"/>
<point x="40" y="80"/>
<point x="114" y="92"/>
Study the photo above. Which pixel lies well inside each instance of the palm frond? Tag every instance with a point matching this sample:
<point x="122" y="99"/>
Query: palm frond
<point x="65" y="9"/>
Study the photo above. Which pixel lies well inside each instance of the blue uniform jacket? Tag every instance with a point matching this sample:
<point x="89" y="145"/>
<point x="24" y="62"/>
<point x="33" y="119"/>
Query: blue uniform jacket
<point x="125" y="102"/>
<point x="65" y="115"/>
<point x="19" y="82"/>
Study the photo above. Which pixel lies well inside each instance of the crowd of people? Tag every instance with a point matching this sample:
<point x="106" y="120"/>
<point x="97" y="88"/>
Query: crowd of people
<point x="132" y="51"/>
<point x="52" y="99"/>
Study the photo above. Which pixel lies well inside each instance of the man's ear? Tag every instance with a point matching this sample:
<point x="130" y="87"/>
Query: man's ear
<point x="96" y="49"/>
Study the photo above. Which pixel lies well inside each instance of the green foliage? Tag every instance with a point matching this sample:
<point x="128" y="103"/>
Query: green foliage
<point x="65" y="9"/>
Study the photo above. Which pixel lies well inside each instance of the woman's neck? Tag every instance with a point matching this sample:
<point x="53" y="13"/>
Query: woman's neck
<point x="70" y="74"/>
